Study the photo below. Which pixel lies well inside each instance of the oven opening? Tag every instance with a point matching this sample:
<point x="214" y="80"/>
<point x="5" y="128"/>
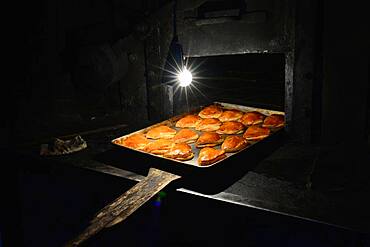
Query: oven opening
<point x="256" y="80"/>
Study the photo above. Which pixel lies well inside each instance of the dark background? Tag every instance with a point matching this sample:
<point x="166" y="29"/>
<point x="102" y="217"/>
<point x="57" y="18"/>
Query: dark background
<point x="62" y="81"/>
<point x="64" y="76"/>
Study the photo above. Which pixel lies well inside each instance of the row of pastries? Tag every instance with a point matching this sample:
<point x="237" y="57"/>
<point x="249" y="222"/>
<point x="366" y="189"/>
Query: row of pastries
<point x="214" y="118"/>
<point x="214" y="123"/>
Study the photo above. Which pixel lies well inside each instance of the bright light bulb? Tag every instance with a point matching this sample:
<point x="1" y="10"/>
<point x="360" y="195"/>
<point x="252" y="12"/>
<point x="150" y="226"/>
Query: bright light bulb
<point x="185" y="78"/>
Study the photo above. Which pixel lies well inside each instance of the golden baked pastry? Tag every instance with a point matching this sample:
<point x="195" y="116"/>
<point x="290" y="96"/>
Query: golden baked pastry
<point x="255" y="133"/>
<point x="209" y="139"/>
<point x="179" y="151"/>
<point x="233" y="144"/>
<point x="212" y="111"/>
<point x="209" y="155"/>
<point x="186" y="135"/>
<point x="274" y="121"/>
<point x="161" y="132"/>
<point x="189" y="121"/>
<point x="208" y="124"/>
<point x="136" y="141"/>
<point x="230" y="115"/>
<point x="159" y="146"/>
<point x="231" y="127"/>
<point x="252" y="118"/>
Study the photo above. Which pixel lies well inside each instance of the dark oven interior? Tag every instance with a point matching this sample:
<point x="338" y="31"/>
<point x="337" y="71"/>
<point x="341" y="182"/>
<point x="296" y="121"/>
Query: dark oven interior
<point x="247" y="79"/>
<point x="111" y="72"/>
<point x="105" y="67"/>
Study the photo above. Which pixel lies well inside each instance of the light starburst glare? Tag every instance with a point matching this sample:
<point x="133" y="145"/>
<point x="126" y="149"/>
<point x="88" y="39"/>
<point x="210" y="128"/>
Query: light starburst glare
<point x="185" y="77"/>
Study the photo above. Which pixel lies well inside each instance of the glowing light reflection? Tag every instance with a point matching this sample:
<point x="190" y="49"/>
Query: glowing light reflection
<point x="185" y="78"/>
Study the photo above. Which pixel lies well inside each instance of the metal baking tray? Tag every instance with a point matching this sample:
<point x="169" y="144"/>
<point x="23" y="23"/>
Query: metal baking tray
<point x="139" y="160"/>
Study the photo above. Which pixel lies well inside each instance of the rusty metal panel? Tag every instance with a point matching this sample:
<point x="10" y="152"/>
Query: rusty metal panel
<point x="264" y="27"/>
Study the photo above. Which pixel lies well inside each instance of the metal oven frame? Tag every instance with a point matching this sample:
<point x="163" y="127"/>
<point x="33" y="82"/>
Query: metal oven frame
<point x="287" y="27"/>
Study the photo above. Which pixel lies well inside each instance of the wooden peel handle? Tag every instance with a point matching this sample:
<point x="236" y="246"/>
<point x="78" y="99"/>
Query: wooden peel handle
<point x="126" y="204"/>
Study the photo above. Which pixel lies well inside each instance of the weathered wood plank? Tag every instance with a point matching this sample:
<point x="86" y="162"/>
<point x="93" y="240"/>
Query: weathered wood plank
<point x="126" y="204"/>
